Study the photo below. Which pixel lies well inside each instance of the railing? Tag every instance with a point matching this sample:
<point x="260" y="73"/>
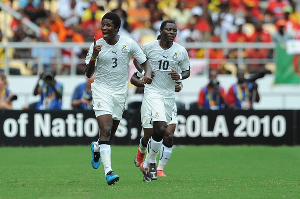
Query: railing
<point x="239" y="61"/>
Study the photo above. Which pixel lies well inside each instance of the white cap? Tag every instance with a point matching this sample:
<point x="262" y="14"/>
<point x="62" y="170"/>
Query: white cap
<point x="197" y="11"/>
<point x="239" y="21"/>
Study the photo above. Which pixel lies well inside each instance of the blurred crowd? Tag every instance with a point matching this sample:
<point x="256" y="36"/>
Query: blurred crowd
<point x="198" y="21"/>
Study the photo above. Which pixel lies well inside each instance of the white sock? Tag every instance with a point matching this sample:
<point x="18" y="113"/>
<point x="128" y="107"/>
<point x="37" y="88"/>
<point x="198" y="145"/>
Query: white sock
<point x="165" y="154"/>
<point x="142" y="147"/>
<point x="96" y="147"/>
<point x="105" y="152"/>
<point x="153" y="149"/>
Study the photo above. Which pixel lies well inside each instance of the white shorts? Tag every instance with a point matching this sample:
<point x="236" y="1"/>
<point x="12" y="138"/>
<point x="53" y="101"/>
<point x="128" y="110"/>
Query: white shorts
<point x="108" y="103"/>
<point x="158" y="109"/>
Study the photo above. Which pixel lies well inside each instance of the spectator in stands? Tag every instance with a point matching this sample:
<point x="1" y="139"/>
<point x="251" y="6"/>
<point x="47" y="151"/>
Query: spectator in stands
<point x="43" y="56"/>
<point x="242" y="94"/>
<point x="93" y="11"/>
<point x="6" y="96"/>
<point x="21" y="36"/>
<point x="238" y="36"/>
<point x="202" y="23"/>
<point x="182" y="15"/>
<point x="2" y="52"/>
<point x="217" y="57"/>
<point x="255" y="55"/>
<point x="281" y="36"/>
<point x="139" y="19"/>
<point x="68" y="57"/>
<point x="92" y="26"/>
<point x="125" y="28"/>
<point x="212" y="96"/>
<point x="139" y="16"/>
<point x="223" y="21"/>
<point x="295" y="14"/>
<point x="70" y="13"/>
<point x="276" y="7"/>
<point x="82" y="95"/>
<point x="50" y="91"/>
<point x="54" y="24"/>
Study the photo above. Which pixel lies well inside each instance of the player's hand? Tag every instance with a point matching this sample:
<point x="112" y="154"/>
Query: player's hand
<point x="178" y="87"/>
<point x="174" y="75"/>
<point x="152" y="73"/>
<point x="96" y="49"/>
<point x="146" y="80"/>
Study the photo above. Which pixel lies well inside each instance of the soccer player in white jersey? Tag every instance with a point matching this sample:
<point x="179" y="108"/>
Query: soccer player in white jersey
<point x="167" y="145"/>
<point x="109" y="59"/>
<point x="166" y="58"/>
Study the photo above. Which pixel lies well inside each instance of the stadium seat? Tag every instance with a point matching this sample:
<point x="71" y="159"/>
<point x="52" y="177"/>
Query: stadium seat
<point x="231" y="67"/>
<point x="248" y="29"/>
<point x="20" y="65"/>
<point x="270" y="28"/>
<point x="271" y="67"/>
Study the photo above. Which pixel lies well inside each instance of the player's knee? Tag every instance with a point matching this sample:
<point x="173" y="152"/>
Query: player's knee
<point x="161" y="129"/>
<point x="105" y="130"/>
<point x="168" y="140"/>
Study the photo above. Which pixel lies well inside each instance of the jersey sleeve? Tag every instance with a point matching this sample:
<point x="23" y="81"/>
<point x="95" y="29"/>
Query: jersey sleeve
<point x="185" y="63"/>
<point x="138" y="53"/>
<point x="89" y="54"/>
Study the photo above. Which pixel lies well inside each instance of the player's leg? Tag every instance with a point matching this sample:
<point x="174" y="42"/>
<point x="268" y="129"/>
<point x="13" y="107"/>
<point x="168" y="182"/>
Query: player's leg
<point x="142" y="147"/>
<point x="107" y="125"/>
<point x="153" y="147"/>
<point x="166" y="149"/>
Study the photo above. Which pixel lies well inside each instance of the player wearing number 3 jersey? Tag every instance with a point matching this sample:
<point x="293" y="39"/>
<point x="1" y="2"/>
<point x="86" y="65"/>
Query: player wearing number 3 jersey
<point x="171" y="63"/>
<point x="109" y="59"/>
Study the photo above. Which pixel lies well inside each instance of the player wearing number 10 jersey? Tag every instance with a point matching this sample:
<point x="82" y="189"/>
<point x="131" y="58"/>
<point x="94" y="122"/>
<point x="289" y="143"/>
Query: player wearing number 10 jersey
<point x="170" y="62"/>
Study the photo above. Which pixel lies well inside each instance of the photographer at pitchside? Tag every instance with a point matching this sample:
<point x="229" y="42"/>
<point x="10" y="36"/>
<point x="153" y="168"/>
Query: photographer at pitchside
<point x="82" y="95"/>
<point x="211" y="96"/>
<point x="50" y="92"/>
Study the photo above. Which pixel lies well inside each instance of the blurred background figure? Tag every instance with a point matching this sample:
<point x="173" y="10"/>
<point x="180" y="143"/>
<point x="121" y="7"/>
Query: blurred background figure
<point x="43" y="56"/>
<point x="82" y="95"/>
<point x="6" y="96"/>
<point x="242" y="94"/>
<point x="50" y="92"/>
<point x="212" y="96"/>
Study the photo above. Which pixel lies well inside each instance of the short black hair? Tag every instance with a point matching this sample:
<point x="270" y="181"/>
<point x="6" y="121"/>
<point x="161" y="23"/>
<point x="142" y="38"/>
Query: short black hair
<point x="114" y="17"/>
<point x="164" y="23"/>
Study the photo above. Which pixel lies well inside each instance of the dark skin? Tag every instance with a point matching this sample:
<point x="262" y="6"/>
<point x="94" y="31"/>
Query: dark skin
<point x="168" y="34"/>
<point x="169" y="133"/>
<point x="107" y="125"/>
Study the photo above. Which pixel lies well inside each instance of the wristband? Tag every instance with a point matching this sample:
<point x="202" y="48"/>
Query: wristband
<point x="93" y="60"/>
<point x="94" y="57"/>
<point x="180" y="76"/>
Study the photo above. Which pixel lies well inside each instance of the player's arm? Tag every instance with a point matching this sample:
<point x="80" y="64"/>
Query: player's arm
<point x="135" y="80"/>
<point x="90" y="69"/>
<point x="179" y="76"/>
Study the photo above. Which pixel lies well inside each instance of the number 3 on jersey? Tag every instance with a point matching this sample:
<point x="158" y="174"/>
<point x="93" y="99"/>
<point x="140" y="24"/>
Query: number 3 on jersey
<point x="114" y="62"/>
<point x="163" y="65"/>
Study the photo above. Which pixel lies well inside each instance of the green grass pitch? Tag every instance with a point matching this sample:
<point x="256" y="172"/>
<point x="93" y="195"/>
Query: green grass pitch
<point x="192" y="172"/>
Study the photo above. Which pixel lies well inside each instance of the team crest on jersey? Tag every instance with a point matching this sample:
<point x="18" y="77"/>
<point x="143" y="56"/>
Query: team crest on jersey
<point x="124" y="49"/>
<point x="156" y="114"/>
<point x="175" y="55"/>
<point x="99" y="104"/>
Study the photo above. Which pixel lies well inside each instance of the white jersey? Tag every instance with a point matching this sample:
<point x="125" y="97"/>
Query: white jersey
<point x="162" y="61"/>
<point x="112" y="65"/>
